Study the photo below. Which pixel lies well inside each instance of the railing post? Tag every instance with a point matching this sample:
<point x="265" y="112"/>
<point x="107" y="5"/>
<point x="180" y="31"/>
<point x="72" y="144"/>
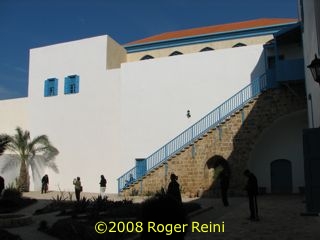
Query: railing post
<point x="141" y="167"/>
<point x="193" y="152"/>
<point x="192" y="130"/>
<point x="141" y="190"/>
<point x="166" y="151"/>
<point x="242" y="115"/>
<point x="166" y="173"/>
<point x="259" y="85"/>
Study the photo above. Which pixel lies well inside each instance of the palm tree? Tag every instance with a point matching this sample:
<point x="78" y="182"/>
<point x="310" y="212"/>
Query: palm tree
<point x="27" y="150"/>
<point x="3" y="143"/>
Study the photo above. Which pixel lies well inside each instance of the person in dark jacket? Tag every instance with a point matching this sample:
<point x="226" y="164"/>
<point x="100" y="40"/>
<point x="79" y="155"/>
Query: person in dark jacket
<point x="103" y="185"/>
<point x="45" y="183"/>
<point x="252" y="190"/>
<point x="165" y="210"/>
<point x="174" y="188"/>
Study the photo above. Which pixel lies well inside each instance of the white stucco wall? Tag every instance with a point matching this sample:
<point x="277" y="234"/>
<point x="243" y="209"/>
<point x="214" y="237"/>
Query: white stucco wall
<point x="157" y="93"/>
<point x="13" y="114"/>
<point x="283" y="140"/>
<point x="126" y="113"/>
<point x="311" y="47"/>
<point x="84" y="126"/>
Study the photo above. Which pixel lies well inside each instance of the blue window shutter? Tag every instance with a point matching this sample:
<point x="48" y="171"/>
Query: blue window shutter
<point x="71" y="84"/>
<point x="76" y="82"/>
<point x="51" y="87"/>
<point x="46" y="88"/>
<point x="66" y="85"/>
<point x="55" y="87"/>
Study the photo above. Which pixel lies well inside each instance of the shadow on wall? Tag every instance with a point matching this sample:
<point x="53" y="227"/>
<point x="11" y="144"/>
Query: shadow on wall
<point x="279" y="152"/>
<point x="260" y="67"/>
<point x="237" y="145"/>
<point x="10" y="169"/>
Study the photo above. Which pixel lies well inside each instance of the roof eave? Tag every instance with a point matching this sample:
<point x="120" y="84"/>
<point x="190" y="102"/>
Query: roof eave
<point x="211" y="37"/>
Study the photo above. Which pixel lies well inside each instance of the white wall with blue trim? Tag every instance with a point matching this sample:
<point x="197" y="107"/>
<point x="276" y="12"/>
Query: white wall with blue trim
<point x="84" y="125"/>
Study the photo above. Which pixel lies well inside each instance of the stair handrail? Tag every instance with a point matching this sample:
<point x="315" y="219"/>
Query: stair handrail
<point x="198" y="129"/>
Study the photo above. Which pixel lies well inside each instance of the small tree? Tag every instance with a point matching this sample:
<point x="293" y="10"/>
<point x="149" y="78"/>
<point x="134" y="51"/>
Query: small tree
<point x="26" y="150"/>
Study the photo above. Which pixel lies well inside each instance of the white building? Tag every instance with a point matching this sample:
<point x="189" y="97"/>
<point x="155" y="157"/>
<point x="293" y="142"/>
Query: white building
<point x="310" y="22"/>
<point x="102" y="107"/>
<point x="310" y="19"/>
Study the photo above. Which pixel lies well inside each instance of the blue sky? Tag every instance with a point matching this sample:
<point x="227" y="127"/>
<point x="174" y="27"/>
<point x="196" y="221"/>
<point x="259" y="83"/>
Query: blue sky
<point x="26" y="24"/>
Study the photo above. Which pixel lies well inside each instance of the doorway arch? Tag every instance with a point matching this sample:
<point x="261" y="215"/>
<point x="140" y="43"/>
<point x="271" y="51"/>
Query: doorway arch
<point x="281" y="176"/>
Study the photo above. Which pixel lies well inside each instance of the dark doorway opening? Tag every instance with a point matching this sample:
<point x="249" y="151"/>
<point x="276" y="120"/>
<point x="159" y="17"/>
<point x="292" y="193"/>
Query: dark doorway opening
<point x="281" y="176"/>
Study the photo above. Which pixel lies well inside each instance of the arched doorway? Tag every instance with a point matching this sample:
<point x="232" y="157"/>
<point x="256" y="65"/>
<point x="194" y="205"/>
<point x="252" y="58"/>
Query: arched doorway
<point x="281" y="176"/>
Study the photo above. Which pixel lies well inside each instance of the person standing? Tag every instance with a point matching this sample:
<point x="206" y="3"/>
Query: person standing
<point x="163" y="210"/>
<point x="103" y="185"/>
<point x="224" y="182"/>
<point x="174" y="188"/>
<point x="252" y="190"/>
<point x="45" y="183"/>
<point x="77" y="187"/>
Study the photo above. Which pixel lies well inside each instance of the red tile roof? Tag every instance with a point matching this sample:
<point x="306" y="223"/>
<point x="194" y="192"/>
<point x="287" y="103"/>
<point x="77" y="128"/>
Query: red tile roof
<point x="263" y="22"/>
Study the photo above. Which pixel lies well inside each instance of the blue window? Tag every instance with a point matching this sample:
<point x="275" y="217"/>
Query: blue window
<point x="71" y="84"/>
<point x="51" y="87"/>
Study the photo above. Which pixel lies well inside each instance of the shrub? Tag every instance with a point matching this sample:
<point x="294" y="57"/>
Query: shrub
<point x="12" y="193"/>
<point x="12" y="200"/>
<point x="5" y="235"/>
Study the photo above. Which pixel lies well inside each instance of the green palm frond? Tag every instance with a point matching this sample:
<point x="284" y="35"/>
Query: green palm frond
<point x="18" y="143"/>
<point x="25" y="147"/>
<point x="4" y="140"/>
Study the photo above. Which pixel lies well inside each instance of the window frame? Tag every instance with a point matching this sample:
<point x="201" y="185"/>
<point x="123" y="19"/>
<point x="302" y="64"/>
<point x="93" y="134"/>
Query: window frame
<point x="71" y="84"/>
<point x="51" y="87"/>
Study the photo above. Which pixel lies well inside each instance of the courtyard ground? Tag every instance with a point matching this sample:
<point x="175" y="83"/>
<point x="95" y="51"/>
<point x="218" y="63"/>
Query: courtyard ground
<point x="280" y="218"/>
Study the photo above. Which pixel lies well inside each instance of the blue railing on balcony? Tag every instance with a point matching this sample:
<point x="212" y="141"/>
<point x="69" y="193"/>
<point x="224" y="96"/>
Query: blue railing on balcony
<point x="211" y="120"/>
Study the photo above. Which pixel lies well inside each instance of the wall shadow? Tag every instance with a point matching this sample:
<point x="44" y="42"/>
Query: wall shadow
<point x="270" y="106"/>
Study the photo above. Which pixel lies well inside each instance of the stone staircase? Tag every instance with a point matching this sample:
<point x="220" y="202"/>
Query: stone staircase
<point x="234" y="138"/>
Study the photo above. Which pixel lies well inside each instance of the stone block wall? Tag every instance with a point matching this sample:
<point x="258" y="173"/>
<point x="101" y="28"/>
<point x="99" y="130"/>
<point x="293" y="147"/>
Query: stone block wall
<point x="234" y="139"/>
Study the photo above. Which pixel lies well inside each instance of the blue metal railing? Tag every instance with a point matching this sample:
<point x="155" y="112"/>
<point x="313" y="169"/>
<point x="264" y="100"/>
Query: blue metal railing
<point x="211" y="120"/>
